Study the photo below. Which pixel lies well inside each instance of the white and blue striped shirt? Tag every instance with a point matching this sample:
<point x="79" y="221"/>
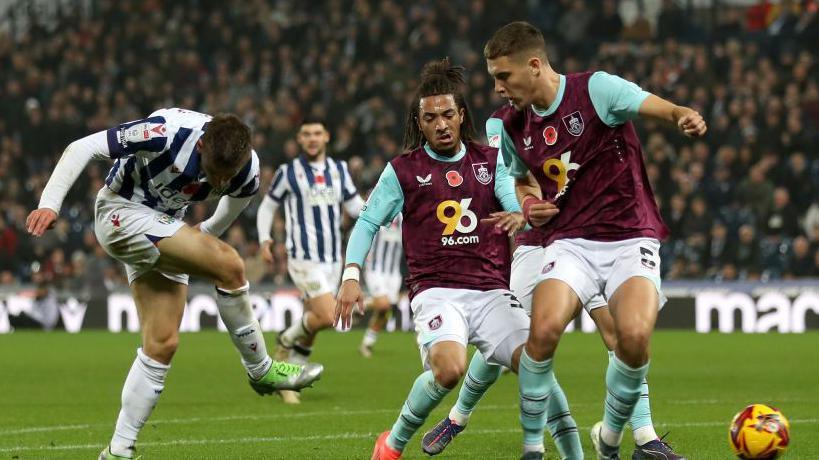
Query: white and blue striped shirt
<point x="157" y="163"/>
<point x="386" y="252"/>
<point x="312" y="194"/>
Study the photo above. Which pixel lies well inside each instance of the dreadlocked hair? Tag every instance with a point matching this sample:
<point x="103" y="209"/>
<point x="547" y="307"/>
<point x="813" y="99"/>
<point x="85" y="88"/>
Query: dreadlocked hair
<point x="438" y="78"/>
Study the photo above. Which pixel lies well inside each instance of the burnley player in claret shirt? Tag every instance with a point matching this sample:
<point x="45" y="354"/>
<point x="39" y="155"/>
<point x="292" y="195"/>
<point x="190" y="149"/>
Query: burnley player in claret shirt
<point x="459" y="207"/>
<point x="569" y="142"/>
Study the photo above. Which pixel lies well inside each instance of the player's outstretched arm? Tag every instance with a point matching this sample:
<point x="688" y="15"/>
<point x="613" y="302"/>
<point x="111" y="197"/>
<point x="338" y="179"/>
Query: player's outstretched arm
<point x="688" y="120"/>
<point x="72" y="162"/>
<point x="384" y="203"/>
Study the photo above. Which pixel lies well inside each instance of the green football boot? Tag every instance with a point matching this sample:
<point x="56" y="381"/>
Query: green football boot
<point x="287" y="376"/>
<point x="107" y="455"/>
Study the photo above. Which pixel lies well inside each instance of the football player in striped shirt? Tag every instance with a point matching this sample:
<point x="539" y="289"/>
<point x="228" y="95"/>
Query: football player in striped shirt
<point x="162" y="164"/>
<point x="382" y="275"/>
<point x="312" y="188"/>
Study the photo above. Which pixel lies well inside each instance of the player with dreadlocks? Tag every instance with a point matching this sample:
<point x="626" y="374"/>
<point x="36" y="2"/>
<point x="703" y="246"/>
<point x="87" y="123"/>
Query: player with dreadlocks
<point x="459" y="209"/>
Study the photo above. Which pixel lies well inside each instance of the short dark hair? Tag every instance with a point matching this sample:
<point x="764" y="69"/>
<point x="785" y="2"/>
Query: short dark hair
<point x="438" y="77"/>
<point x="514" y="38"/>
<point x="227" y="143"/>
<point x="313" y="120"/>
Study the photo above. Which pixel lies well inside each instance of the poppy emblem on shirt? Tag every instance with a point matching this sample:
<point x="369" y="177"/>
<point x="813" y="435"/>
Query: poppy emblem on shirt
<point x="550" y="135"/>
<point x="191" y="188"/>
<point x="454" y="178"/>
<point x="435" y="323"/>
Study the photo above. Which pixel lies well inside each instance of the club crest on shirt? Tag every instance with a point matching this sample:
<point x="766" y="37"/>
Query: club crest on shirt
<point x="574" y="123"/>
<point x="482" y="173"/>
<point x="435" y="323"/>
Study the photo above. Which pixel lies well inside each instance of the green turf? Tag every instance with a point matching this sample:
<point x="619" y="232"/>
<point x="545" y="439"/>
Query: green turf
<point x="59" y="396"/>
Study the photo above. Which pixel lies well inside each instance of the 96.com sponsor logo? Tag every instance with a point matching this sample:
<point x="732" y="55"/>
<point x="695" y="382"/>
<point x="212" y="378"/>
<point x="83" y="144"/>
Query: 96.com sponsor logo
<point x="459" y="240"/>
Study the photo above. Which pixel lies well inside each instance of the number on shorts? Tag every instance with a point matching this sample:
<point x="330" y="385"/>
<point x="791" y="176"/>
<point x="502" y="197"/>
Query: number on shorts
<point x="513" y="301"/>
<point x="647" y="259"/>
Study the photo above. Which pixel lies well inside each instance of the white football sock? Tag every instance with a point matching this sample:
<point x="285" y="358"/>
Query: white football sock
<point x="245" y="331"/>
<point x="370" y="338"/>
<point x="611" y="437"/>
<point x="644" y="434"/>
<point x="296" y="331"/>
<point x="140" y="394"/>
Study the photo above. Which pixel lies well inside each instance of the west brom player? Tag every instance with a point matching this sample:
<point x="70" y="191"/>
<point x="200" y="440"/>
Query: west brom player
<point x="162" y="164"/>
<point x="312" y="187"/>
<point x="458" y="266"/>
<point x="582" y="184"/>
<point x="382" y="276"/>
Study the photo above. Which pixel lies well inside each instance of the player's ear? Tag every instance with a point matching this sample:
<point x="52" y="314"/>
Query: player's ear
<point x="462" y="114"/>
<point x="534" y="64"/>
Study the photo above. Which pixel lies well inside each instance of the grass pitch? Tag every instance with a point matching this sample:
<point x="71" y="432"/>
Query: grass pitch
<point x="59" y="397"/>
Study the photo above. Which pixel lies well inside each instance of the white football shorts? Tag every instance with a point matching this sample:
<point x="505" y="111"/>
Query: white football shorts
<point x="493" y="321"/>
<point x="129" y="232"/>
<point x="527" y="265"/>
<point x="314" y="278"/>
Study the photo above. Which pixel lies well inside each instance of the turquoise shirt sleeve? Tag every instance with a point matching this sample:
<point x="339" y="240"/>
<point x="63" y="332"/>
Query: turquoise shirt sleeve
<point x="498" y="137"/>
<point x="384" y="203"/>
<point x="505" y="187"/>
<point x="615" y="100"/>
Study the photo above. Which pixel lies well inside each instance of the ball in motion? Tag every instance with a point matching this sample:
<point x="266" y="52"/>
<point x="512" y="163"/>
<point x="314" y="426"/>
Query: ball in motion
<point x="759" y="432"/>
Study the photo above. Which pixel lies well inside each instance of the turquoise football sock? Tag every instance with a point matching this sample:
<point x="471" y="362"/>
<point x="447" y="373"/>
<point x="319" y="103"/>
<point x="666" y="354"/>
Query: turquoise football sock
<point x="561" y="424"/>
<point x="536" y="382"/>
<point x="479" y="377"/>
<point x="423" y="397"/>
<point x="623" y="388"/>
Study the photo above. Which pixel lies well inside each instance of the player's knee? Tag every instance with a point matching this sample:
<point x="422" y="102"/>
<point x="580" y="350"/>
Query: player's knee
<point x="325" y="318"/>
<point x="633" y="346"/>
<point x="449" y="374"/>
<point x="161" y="347"/>
<point x="231" y="268"/>
<point x="543" y="340"/>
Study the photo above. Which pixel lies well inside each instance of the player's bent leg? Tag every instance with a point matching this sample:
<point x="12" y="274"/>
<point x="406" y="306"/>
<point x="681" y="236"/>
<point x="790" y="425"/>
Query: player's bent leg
<point x="605" y="326"/>
<point x="295" y="342"/>
<point x="447" y="360"/>
<point x="554" y="304"/>
<point x="160" y="303"/>
<point x="378" y="321"/>
<point x="479" y="377"/>
<point x="195" y="253"/>
<point x="633" y="307"/>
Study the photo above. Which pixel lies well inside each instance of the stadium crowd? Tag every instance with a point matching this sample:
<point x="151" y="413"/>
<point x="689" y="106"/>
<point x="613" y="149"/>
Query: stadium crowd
<point x="741" y="204"/>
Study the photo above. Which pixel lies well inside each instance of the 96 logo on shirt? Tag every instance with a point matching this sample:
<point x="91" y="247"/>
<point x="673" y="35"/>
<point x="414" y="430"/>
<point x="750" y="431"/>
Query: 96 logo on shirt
<point x="453" y="220"/>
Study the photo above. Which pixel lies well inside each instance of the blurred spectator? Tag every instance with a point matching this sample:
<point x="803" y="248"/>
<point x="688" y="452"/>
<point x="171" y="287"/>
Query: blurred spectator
<point x="802" y="261"/>
<point x="751" y="71"/>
